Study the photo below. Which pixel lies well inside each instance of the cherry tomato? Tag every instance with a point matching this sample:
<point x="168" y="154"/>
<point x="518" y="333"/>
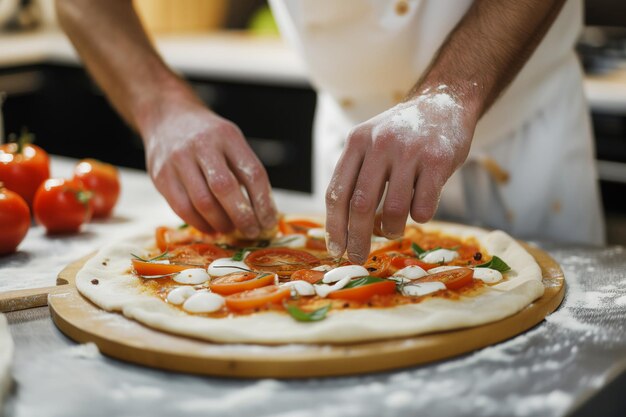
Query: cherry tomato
<point x="400" y="262"/>
<point x="101" y="179"/>
<point x="14" y="220"/>
<point x="23" y="167"/>
<point x="453" y="278"/>
<point x="258" y="297"/>
<point x="240" y="281"/>
<point x="149" y="269"/>
<point x="307" y="275"/>
<point x="379" y="265"/>
<point x="282" y="261"/>
<point x="62" y="206"/>
<point x="365" y="292"/>
<point x="301" y="226"/>
<point x="201" y="254"/>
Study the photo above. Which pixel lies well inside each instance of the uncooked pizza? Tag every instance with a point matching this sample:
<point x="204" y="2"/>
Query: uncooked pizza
<point x="286" y="288"/>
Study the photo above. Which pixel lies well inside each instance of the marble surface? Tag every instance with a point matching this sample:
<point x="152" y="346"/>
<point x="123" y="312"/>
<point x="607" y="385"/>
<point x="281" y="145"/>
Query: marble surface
<point x="547" y="371"/>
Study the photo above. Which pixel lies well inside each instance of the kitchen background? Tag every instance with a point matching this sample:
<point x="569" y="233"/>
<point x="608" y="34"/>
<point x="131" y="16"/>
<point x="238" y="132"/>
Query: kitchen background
<point x="232" y="54"/>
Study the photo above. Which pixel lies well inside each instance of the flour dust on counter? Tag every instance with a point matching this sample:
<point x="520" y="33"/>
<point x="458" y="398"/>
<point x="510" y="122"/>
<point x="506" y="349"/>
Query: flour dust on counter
<point x="542" y="373"/>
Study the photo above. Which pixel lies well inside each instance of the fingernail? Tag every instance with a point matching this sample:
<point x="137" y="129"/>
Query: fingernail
<point x="334" y="249"/>
<point x="356" y="258"/>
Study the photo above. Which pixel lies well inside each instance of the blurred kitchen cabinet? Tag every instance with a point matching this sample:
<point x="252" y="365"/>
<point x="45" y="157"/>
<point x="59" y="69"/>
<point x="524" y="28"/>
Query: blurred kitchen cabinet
<point x="71" y="117"/>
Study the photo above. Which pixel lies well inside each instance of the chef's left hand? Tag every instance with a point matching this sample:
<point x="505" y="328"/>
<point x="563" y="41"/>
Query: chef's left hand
<point x="413" y="147"/>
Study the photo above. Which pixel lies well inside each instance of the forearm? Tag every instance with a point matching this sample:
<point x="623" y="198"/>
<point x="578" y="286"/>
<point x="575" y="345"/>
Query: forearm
<point x="115" y="49"/>
<point x="488" y="48"/>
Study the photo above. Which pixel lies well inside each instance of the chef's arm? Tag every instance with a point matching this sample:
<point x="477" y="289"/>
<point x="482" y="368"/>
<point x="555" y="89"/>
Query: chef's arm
<point x="413" y="148"/>
<point x="488" y="47"/>
<point x="197" y="160"/>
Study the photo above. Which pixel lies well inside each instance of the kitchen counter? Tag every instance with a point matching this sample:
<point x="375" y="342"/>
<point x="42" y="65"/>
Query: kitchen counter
<point x="550" y="370"/>
<point x="233" y="56"/>
<point x="239" y="57"/>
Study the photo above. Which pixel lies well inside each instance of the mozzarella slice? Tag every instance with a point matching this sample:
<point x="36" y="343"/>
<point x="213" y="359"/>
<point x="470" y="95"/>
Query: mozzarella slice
<point x="162" y="262"/>
<point x="323" y="268"/>
<point x="192" y="276"/>
<point x="411" y="272"/>
<point x="442" y="269"/>
<point x="324" y="289"/>
<point x="440" y="255"/>
<point x="300" y="287"/>
<point x="487" y="275"/>
<point x="317" y="233"/>
<point x="348" y="271"/>
<point x="204" y="302"/>
<point x="290" y="241"/>
<point x="424" y="288"/>
<point x="225" y="266"/>
<point x="178" y="295"/>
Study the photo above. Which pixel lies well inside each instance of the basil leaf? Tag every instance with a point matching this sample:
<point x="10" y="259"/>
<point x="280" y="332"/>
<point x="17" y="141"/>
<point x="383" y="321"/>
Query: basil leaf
<point x="238" y="256"/>
<point x="160" y="257"/>
<point x="183" y="226"/>
<point x="495" y="263"/>
<point x="417" y="249"/>
<point x="359" y="282"/>
<point x="301" y="315"/>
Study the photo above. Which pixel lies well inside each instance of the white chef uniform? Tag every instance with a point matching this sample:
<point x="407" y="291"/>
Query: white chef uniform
<point x="530" y="170"/>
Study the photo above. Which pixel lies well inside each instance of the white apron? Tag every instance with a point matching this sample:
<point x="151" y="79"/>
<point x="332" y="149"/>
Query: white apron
<point x="531" y="169"/>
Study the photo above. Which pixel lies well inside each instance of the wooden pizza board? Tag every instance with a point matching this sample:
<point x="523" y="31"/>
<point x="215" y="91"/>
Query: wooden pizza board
<point x="131" y="341"/>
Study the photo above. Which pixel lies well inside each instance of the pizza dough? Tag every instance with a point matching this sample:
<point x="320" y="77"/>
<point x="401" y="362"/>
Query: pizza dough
<point x="6" y="356"/>
<point x="119" y="291"/>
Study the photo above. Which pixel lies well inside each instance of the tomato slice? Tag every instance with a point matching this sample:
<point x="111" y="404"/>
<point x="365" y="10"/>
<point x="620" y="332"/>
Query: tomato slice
<point x="240" y="281"/>
<point x="400" y="262"/>
<point x="198" y="253"/>
<point x="307" y="275"/>
<point x="453" y="279"/>
<point x="379" y="265"/>
<point x="301" y="226"/>
<point x="365" y="292"/>
<point x="316" y="244"/>
<point x="258" y="297"/>
<point x="399" y="245"/>
<point x="152" y="268"/>
<point x="169" y="238"/>
<point x="282" y="261"/>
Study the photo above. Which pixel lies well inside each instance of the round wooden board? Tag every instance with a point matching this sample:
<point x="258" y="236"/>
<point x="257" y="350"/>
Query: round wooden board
<point x="128" y="340"/>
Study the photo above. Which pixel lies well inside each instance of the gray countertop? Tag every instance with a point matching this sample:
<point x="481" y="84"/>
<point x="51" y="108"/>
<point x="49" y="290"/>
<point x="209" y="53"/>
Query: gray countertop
<point x="547" y="371"/>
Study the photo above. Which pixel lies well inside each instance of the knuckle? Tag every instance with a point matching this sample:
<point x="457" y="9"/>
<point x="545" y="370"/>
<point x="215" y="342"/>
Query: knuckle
<point x="361" y="203"/>
<point x="228" y="130"/>
<point x="256" y="172"/>
<point x="221" y="184"/>
<point x="333" y="197"/>
<point x="383" y="140"/>
<point x="395" y="208"/>
<point x="204" y="202"/>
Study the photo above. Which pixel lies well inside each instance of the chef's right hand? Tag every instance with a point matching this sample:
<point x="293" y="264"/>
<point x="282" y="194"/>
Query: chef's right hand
<point x="199" y="162"/>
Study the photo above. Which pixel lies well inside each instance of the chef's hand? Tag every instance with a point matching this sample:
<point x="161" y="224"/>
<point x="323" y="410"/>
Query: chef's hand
<point x="199" y="162"/>
<point x="414" y="148"/>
